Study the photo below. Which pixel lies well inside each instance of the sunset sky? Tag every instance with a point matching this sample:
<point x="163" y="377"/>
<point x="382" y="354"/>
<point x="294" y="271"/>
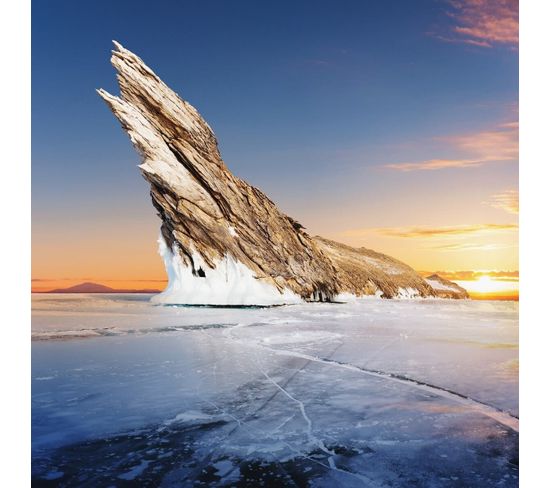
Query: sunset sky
<point x="385" y="124"/>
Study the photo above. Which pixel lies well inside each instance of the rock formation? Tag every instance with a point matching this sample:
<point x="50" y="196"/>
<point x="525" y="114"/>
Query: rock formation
<point x="366" y="272"/>
<point x="223" y="241"/>
<point x="446" y="289"/>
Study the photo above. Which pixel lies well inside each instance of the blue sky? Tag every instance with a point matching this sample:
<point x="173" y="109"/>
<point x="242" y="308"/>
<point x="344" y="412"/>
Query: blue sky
<point x="309" y="101"/>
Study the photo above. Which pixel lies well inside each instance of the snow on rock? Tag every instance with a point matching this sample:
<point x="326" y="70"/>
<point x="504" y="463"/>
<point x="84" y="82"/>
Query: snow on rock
<point x="439" y="286"/>
<point x="408" y="293"/>
<point x="367" y="272"/>
<point x="228" y="283"/>
<point x="445" y="288"/>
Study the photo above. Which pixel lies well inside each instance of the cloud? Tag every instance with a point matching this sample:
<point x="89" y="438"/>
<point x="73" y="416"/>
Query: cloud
<point x="500" y="144"/>
<point x="471" y="247"/>
<point x="462" y="41"/>
<point x="433" y="164"/>
<point x="493" y="145"/>
<point x="429" y="232"/>
<point x="484" y="23"/>
<point x="512" y="276"/>
<point x="507" y="201"/>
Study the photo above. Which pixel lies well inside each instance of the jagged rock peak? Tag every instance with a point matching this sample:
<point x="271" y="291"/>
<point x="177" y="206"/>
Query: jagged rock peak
<point x="207" y="213"/>
<point x="224" y="241"/>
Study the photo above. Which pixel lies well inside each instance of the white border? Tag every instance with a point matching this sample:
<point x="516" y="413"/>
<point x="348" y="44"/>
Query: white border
<point x="534" y="242"/>
<point x="15" y="275"/>
<point x="15" y="42"/>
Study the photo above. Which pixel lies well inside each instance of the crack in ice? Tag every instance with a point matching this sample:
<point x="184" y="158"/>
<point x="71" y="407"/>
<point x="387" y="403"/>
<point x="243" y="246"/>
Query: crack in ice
<point x="331" y="464"/>
<point x="501" y="416"/>
<point x="302" y="408"/>
<point x="495" y="413"/>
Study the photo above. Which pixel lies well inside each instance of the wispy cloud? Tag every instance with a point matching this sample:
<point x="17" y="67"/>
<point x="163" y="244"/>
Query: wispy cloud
<point x="474" y="275"/>
<point x="463" y="41"/>
<point x="424" y="232"/>
<point x="507" y="201"/>
<point x="434" y="164"/>
<point x="492" y="145"/>
<point x="461" y="247"/>
<point x="483" y="23"/>
<point x="500" y="144"/>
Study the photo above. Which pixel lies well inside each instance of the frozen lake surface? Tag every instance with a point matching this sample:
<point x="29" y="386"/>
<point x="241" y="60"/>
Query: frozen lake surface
<point x="375" y="393"/>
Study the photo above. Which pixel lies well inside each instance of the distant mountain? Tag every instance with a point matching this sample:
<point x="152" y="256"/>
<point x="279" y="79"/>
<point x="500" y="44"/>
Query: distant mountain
<point x="89" y="287"/>
<point x="445" y="288"/>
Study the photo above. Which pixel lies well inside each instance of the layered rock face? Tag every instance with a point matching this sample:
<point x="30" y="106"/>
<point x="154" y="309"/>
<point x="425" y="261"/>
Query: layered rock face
<point x="366" y="272"/>
<point x="223" y="241"/>
<point x="446" y="289"/>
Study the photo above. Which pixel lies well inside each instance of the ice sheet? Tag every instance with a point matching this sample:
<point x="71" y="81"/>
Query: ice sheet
<point x="369" y="393"/>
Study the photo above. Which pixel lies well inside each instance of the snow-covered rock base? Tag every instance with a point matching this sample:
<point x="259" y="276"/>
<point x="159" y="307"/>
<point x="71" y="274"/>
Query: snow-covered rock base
<point x="229" y="283"/>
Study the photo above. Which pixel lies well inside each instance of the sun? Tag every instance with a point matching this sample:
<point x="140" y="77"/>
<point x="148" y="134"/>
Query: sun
<point x="487" y="286"/>
<point x="485" y="283"/>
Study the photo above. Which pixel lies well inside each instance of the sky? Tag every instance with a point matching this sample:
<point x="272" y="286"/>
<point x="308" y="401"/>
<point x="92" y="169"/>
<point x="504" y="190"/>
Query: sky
<point x="390" y="125"/>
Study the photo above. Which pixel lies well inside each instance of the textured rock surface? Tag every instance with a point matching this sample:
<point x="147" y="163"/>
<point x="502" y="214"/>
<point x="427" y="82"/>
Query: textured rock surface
<point x="210" y="216"/>
<point x="366" y="272"/>
<point x="445" y="288"/>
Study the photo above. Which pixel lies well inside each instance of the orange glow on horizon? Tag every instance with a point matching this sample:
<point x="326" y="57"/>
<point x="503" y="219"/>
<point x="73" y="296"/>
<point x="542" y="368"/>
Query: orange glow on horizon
<point x="487" y="288"/>
<point x="483" y="288"/>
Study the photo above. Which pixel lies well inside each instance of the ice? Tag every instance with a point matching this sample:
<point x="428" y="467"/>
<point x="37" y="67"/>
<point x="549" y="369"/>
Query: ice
<point x="372" y="392"/>
<point x="408" y="293"/>
<point x="135" y="471"/>
<point x="228" y="283"/>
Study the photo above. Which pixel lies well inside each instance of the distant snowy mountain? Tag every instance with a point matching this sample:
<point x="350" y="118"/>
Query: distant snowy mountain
<point x="89" y="287"/>
<point x="445" y="288"/>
